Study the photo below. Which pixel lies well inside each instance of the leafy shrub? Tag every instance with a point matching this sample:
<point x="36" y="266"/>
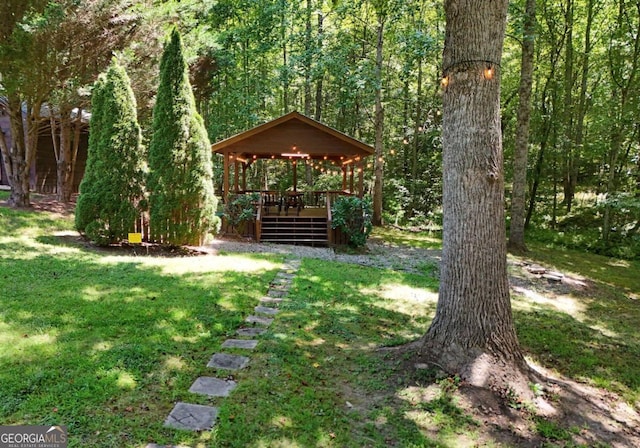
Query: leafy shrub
<point x="353" y="216"/>
<point x="240" y="210"/>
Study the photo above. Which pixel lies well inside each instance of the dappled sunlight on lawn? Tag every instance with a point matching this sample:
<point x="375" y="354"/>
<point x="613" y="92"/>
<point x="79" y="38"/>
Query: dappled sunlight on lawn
<point x="280" y="443"/>
<point x="101" y="346"/>
<point x="197" y="264"/>
<point x="567" y="304"/>
<point x="174" y="363"/>
<point x="122" y="378"/>
<point x="15" y="341"/>
<point x="30" y="248"/>
<point x="577" y="308"/>
<point x="404" y="299"/>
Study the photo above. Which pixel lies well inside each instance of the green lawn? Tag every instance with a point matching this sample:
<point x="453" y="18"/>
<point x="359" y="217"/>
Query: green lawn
<point x="107" y="343"/>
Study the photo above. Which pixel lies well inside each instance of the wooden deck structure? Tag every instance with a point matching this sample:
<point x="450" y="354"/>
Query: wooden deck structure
<point x="285" y="216"/>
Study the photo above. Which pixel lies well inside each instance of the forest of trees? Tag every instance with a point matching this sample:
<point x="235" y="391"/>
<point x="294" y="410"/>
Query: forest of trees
<point x="372" y="69"/>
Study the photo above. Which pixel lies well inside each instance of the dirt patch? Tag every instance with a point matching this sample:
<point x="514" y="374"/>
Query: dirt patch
<point x="565" y="412"/>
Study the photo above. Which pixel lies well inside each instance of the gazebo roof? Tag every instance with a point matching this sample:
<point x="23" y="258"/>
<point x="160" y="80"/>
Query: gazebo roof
<point x="293" y="136"/>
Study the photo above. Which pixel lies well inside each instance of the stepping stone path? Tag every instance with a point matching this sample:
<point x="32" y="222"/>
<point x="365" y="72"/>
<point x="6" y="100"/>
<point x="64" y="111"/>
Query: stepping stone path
<point x="248" y="344"/>
<point x="195" y="417"/>
<point x="213" y="387"/>
<point x="191" y="416"/>
<point x="228" y="362"/>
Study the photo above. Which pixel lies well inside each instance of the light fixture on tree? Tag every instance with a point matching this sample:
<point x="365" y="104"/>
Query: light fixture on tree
<point x="488" y="72"/>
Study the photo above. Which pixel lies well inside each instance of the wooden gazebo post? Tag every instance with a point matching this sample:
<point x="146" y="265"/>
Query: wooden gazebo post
<point x="295" y="176"/>
<point x="351" y="178"/>
<point x="361" y="179"/>
<point x="225" y="178"/>
<point x="235" y="173"/>
<point x="344" y="177"/>
<point x="244" y="176"/>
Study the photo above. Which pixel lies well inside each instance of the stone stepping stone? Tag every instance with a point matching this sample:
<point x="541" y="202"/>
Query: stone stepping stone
<point x="248" y="344"/>
<point x="279" y="286"/>
<point x="213" y="387"/>
<point x="283" y="277"/>
<point x="266" y="310"/>
<point x="259" y="320"/>
<point x="251" y="332"/>
<point x="275" y="300"/>
<point x="281" y="281"/>
<point x="192" y="417"/>
<point x="277" y="293"/>
<point x="228" y="362"/>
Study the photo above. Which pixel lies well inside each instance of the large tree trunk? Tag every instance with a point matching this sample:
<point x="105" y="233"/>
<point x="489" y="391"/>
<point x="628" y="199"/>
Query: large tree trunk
<point x="379" y="131"/>
<point x="518" y="196"/>
<point x="319" y="88"/>
<point x="570" y="152"/>
<point x="472" y="333"/>
<point x="24" y="129"/>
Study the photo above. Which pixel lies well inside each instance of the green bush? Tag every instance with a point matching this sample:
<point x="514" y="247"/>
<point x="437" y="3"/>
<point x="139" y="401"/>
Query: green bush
<point x="240" y="210"/>
<point x="112" y="193"/>
<point x="352" y="215"/>
<point x="181" y="199"/>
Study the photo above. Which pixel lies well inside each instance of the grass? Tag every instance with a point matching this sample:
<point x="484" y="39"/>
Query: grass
<point x="588" y="334"/>
<point x="107" y="343"/>
<point x="422" y="240"/>
<point x="318" y="364"/>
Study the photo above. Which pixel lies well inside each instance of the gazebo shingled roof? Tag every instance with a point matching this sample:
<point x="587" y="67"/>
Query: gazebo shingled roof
<point x="292" y="136"/>
<point x="293" y="133"/>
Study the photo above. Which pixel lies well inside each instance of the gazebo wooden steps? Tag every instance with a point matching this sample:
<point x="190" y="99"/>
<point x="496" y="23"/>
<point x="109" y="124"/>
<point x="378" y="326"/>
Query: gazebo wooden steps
<point x="302" y="230"/>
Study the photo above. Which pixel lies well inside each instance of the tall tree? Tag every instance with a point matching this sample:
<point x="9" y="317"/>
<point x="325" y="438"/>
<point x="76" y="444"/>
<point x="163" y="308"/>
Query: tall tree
<point x="182" y="203"/>
<point x="112" y="191"/>
<point x="518" y="197"/>
<point x="624" y="63"/>
<point x="378" y="118"/>
<point x="82" y="45"/>
<point x="473" y="333"/>
<point x="26" y="81"/>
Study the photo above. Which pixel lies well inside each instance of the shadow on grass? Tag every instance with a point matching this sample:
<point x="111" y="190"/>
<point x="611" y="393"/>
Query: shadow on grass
<point x="600" y="349"/>
<point x="593" y="344"/>
<point x="107" y="346"/>
<point x="318" y="378"/>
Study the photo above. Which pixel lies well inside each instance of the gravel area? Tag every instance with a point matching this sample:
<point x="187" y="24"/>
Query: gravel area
<point x="377" y="254"/>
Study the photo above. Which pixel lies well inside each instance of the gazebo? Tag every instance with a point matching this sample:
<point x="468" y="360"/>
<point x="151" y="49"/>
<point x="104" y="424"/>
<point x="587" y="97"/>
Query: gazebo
<point x="299" y="140"/>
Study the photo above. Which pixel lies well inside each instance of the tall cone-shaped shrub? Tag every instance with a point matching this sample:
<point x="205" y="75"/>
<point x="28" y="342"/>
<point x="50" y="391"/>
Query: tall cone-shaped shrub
<point x="181" y="199"/>
<point x="112" y="189"/>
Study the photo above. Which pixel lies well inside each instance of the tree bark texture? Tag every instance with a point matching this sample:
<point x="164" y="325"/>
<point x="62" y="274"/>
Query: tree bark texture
<point x="518" y="196"/>
<point x="379" y="130"/>
<point x="473" y="326"/>
<point x="21" y="156"/>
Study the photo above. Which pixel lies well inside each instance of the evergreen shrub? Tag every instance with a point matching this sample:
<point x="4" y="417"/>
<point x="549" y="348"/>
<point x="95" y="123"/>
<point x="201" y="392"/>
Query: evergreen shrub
<point x="112" y="195"/>
<point x="181" y="198"/>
